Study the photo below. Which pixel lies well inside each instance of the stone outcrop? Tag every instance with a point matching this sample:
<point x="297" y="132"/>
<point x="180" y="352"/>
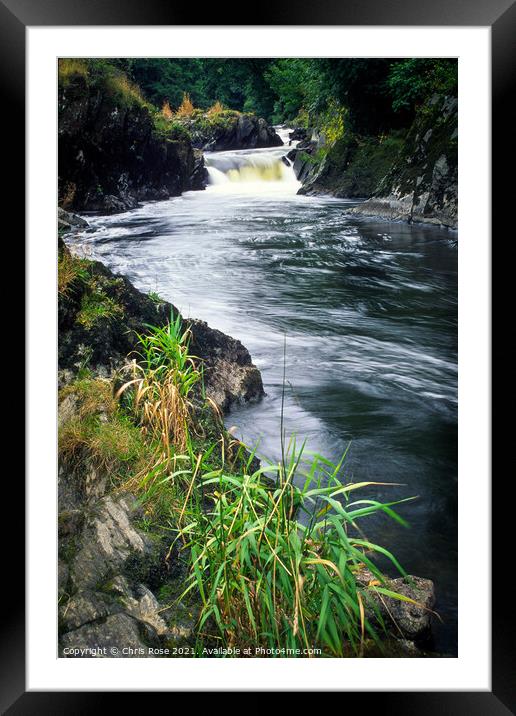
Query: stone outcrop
<point x="230" y="376"/>
<point x="67" y="221"/>
<point x="111" y="156"/>
<point x="230" y="130"/>
<point x="422" y="184"/>
<point x="403" y="176"/>
<point x="351" y="168"/>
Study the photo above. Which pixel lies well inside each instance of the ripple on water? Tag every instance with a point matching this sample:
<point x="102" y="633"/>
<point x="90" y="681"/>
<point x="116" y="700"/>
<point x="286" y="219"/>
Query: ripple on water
<point x="370" y="314"/>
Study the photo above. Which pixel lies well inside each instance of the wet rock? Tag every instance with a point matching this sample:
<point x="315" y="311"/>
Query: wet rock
<point x="230" y="130"/>
<point x="413" y="621"/>
<point x="299" y="134"/>
<point x="199" y="173"/>
<point x="230" y="376"/>
<point x="67" y="221"/>
<point x="404" y="619"/>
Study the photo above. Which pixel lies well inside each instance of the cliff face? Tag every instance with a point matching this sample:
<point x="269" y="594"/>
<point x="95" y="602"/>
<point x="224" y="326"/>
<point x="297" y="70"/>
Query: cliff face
<point x="351" y="168"/>
<point x="111" y="155"/>
<point x="406" y="178"/>
<point x="422" y="183"/>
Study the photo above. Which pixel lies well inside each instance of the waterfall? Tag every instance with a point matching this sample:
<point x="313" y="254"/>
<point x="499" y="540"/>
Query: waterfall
<point x="256" y="171"/>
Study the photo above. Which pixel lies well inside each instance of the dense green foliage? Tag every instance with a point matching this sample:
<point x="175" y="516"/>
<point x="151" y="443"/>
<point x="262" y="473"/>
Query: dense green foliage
<point x="378" y="93"/>
<point x="369" y="96"/>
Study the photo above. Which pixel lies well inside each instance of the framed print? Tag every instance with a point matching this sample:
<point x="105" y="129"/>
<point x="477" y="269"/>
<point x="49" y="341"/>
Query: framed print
<point x="258" y="351"/>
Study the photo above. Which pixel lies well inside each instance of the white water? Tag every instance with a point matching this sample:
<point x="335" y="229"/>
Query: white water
<point x="253" y="171"/>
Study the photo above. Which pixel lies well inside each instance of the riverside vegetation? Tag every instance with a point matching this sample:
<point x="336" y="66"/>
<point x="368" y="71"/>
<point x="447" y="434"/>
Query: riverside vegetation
<point x="272" y="556"/>
<point x="173" y="538"/>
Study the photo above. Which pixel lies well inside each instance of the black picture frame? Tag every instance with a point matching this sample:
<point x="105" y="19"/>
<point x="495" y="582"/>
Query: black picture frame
<point x="500" y="16"/>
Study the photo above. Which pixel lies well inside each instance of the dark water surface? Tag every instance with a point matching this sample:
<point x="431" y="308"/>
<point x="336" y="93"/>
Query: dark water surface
<point x="370" y="314"/>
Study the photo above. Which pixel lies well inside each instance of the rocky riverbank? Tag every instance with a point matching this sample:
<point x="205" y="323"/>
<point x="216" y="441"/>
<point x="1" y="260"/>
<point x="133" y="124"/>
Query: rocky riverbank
<point x="404" y="176"/>
<point x="120" y="582"/>
<point x="113" y="149"/>
<point x="421" y="186"/>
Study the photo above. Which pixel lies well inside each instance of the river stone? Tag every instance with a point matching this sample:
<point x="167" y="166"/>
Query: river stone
<point x="66" y="220"/>
<point x="413" y="621"/>
<point x="230" y="376"/>
<point x="408" y="621"/>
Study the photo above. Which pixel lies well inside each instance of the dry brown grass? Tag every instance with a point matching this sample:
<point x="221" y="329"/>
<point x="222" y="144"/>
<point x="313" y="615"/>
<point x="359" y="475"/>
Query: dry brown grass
<point x="164" y="413"/>
<point x="122" y="87"/>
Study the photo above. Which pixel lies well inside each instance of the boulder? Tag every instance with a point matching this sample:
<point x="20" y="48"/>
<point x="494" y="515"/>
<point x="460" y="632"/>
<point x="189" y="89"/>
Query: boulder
<point x="67" y="221"/>
<point x="404" y="619"/>
<point x="116" y="636"/>
<point x="299" y="134"/>
<point x="230" y="376"/>
<point x="414" y="621"/>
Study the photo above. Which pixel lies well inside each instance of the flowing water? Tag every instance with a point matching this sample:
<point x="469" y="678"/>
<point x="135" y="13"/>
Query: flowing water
<point x="369" y="310"/>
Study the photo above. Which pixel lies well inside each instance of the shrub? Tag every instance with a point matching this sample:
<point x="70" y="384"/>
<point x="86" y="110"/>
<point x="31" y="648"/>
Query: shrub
<point x="166" y="111"/>
<point x="186" y="107"/>
<point x="216" y="108"/>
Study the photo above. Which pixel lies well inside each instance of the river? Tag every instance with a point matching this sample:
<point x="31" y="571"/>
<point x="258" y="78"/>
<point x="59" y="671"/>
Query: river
<point x="369" y="311"/>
